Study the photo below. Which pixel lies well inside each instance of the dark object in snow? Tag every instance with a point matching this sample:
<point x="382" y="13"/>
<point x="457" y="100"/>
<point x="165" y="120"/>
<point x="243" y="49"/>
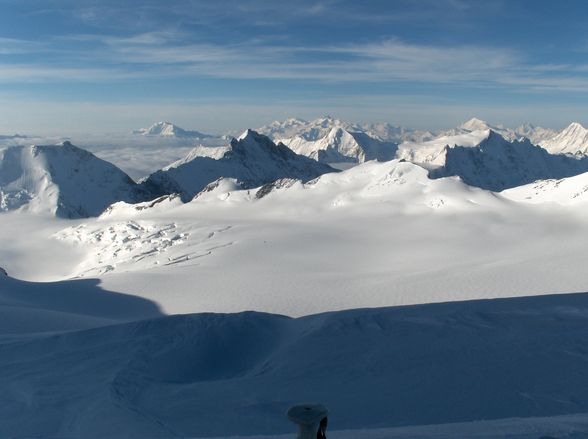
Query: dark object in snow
<point x="3" y="272"/>
<point x="322" y="430"/>
<point x="311" y="420"/>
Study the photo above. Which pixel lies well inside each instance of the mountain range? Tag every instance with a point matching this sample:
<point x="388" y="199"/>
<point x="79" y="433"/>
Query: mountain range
<point x="67" y="181"/>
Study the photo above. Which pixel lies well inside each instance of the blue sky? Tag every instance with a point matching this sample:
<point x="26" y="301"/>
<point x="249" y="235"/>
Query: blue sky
<point x="69" y="66"/>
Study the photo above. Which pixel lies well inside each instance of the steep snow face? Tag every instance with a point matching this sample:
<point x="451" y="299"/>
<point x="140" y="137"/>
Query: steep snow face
<point x="340" y="145"/>
<point x="252" y="159"/>
<point x="571" y="140"/>
<point x="565" y="191"/>
<point x="485" y="159"/>
<point x="168" y="129"/>
<point x="63" y="180"/>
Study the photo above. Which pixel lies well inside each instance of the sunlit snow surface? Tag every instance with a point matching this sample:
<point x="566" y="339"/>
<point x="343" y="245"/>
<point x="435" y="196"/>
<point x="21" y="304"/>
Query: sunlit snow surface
<point x="75" y="361"/>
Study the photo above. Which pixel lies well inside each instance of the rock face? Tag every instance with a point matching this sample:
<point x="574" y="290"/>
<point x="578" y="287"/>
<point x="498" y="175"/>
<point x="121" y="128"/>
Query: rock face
<point x="62" y="180"/>
<point x="252" y="160"/>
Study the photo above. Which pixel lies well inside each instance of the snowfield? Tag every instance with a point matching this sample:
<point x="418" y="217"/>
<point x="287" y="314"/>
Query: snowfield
<point x="405" y="295"/>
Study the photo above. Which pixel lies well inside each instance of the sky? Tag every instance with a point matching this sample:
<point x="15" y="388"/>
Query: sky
<point x="74" y="66"/>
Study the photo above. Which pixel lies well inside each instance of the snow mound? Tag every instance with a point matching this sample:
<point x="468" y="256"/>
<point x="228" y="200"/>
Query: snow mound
<point x="62" y="180"/>
<point x="252" y="159"/>
<point x="237" y="374"/>
<point x="572" y="140"/>
<point x="168" y="129"/>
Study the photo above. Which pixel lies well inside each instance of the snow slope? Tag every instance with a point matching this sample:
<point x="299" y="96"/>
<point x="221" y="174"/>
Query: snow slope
<point x="236" y="374"/>
<point x="572" y="140"/>
<point x="252" y="159"/>
<point x="383" y="229"/>
<point x="28" y="308"/>
<point x="565" y="191"/>
<point x="63" y="180"/>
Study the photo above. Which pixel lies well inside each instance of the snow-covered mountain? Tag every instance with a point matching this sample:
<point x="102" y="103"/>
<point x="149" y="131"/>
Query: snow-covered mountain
<point x="340" y="145"/>
<point x="168" y="129"/>
<point x="483" y="158"/>
<point x="531" y="132"/>
<point x="63" y="180"/>
<point x="252" y="159"/>
<point x="571" y="140"/>
<point x="319" y="128"/>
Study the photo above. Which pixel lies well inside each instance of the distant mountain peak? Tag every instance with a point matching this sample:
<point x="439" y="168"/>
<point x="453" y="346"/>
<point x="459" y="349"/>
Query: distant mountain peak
<point x="474" y="124"/>
<point x="168" y="129"/>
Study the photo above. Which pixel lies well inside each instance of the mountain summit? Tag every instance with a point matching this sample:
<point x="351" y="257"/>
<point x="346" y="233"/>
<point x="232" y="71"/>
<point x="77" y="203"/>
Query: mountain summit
<point x="571" y="140"/>
<point x="252" y="159"/>
<point x="168" y="129"/>
<point x="62" y="180"/>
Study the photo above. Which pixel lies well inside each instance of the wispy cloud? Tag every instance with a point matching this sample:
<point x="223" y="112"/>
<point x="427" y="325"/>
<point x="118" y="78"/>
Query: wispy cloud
<point x="165" y="54"/>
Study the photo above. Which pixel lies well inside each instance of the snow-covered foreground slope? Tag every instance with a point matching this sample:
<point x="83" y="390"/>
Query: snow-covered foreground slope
<point x="217" y="375"/>
<point x="252" y="160"/>
<point x="63" y="180"/>
<point x="28" y="308"/>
